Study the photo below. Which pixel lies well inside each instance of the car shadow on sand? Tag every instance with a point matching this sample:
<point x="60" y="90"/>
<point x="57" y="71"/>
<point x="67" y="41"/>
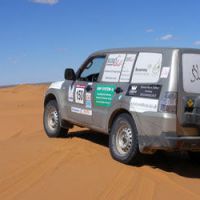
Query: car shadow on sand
<point x="176" y="162"/>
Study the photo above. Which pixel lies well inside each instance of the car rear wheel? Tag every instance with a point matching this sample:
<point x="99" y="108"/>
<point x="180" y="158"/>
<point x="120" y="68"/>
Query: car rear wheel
<point x="123" y="140"/>
<point x="51" y="120"/>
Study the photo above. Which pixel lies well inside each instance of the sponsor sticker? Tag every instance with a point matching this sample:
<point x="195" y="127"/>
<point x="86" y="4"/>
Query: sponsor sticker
<point x="71" y="93"/>
<point x="113" y="67"/>
<point x="81" y="111"/>
<point x="88" y="96"/>
<point x="145" y="91"/>
<point x="127" y="68"/>
<point x="80" y="86"/>
<point x="191" y="73"/>
<point x="103" y="95"/>
<point x="165" y="72"/>
<point x="88" y="100"/>
<point x="147" y="68"/>
<point x="88" y="104"/>
<point x="86" y="112"/>
<point x="143" y="105"/>
<point x="75" y="110"/>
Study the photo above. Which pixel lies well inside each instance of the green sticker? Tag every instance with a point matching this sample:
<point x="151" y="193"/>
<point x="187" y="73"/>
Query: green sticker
<point x="103" y="95"/>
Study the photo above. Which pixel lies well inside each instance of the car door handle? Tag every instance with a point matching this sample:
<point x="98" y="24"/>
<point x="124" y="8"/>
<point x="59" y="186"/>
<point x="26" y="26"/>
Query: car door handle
<point x="118" y="90"/>
<point x="88" y="88"/>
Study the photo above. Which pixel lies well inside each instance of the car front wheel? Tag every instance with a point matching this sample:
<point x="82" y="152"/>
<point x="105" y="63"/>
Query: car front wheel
<point x="51" y="120"/>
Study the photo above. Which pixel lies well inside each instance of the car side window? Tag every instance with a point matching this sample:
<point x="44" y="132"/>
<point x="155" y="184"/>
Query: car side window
<point x="92" y="69"/>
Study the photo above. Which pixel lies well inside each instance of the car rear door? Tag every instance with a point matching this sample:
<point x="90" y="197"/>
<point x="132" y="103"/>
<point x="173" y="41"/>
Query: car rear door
<point x="189" y="94"/>
<point x="111" y="87"/>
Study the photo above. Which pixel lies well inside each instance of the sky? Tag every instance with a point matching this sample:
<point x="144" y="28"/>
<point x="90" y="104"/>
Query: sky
<point x="40" y="38"/>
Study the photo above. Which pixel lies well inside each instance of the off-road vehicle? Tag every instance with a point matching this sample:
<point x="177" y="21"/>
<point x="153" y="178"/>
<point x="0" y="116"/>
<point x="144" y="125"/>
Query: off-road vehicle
<point x="146" y="99"/>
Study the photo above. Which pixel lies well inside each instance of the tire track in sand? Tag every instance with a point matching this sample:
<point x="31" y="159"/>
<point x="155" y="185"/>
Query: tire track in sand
<point x="127" y="184"/>
<point x="24" y="178"/>
<point x="144" y="183"/>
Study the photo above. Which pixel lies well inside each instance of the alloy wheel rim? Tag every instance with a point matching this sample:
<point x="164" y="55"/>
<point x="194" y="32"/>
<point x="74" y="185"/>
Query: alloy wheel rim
<point x="53" y="119"/>
<point x="124" y="139"/>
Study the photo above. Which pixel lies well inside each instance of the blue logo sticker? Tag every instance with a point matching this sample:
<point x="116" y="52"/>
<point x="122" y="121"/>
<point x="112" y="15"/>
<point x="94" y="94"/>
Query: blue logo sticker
<point x="88" y="104"/>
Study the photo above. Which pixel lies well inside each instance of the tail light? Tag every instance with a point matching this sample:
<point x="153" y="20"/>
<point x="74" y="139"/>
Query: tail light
<point x="168" y="103"/>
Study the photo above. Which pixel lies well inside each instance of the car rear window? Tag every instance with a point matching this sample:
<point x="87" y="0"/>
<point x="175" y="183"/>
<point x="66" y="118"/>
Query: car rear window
<point x="147" y="68"/>
<point x="191" y="73"/>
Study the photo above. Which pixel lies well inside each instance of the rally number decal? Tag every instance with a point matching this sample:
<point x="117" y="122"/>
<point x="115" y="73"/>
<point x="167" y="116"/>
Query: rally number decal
<point x="79" y="95"/>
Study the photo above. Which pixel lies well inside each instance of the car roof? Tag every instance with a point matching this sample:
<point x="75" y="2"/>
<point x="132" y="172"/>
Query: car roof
<point x="143" y="49"/>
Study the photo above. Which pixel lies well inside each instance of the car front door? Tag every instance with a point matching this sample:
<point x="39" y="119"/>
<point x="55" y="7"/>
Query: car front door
<point x="80" y="92"/>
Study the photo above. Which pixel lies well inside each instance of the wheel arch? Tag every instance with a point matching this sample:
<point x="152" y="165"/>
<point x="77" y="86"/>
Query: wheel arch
<point x="48" y="98"/>
<point x="115" y="114"/>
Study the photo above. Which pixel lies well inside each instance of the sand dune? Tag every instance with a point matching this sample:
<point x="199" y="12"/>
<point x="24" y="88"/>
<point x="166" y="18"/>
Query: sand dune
<point x="32" y="166"/>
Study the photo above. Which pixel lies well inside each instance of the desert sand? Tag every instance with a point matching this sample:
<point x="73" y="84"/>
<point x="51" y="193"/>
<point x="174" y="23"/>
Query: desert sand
<point x="33" y="166"/>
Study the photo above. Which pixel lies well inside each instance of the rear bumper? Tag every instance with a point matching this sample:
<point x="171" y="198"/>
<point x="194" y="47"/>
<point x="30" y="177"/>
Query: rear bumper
<point x="191" y="143"/>
<point x="162" y="131"/>
<point x="169" y="142"/>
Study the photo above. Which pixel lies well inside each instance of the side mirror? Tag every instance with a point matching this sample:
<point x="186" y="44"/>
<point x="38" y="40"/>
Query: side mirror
<point x="70" y="74"/>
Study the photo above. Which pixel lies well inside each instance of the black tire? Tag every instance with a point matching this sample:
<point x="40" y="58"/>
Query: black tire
<point x="194" y="157"/>
<point x="51" y="120"/>
<point x="123" y="140"/>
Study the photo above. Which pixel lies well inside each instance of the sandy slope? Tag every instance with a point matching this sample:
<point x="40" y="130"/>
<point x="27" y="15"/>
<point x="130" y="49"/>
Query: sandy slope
<point x="33" y="166"/>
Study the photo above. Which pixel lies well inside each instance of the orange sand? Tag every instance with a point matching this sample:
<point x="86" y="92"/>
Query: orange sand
<point x="33" y="166"/>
